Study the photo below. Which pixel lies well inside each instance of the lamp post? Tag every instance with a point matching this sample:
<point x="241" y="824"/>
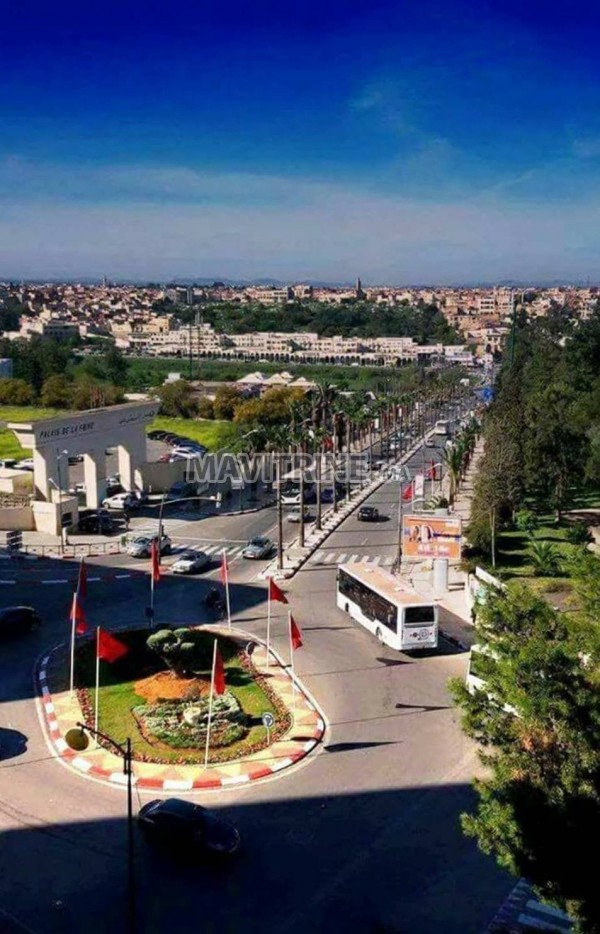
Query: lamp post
<point x="77" y="739"/>
<point x="60" y="497"/>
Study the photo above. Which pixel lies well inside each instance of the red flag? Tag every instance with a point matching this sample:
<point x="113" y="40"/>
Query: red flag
<point x="224" y="572"/>
<point x="78" y="615"/>
<point x="219" y="679"/>
<point x="295" y="634"/>
<point x="275" y="593"/>
<point x="82" y="580"/>
<point x="407" y="493"/>
<point x="110" y="649"/>
<point x="154" y="562"/>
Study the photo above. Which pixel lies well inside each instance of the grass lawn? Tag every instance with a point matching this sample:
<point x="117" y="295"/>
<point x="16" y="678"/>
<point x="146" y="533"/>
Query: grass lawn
<point x="9" y="446"/>
<point x="213" y="434"/>
<point x="514" y="563"/>
<point x="117" y="697"/>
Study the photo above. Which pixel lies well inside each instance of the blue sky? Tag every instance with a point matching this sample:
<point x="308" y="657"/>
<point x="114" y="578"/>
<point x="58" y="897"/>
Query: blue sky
<point x="405" y="142"/>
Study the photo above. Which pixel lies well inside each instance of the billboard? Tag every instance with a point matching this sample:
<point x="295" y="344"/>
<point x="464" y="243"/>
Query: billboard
<point x="428" y="536"/>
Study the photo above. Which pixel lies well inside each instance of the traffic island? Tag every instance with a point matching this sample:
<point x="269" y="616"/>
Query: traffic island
<point x="262" y="723"/>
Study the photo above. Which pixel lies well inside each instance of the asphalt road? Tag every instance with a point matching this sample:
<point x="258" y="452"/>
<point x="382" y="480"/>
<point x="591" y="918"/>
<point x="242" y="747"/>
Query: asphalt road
<point x="365" y="832"/>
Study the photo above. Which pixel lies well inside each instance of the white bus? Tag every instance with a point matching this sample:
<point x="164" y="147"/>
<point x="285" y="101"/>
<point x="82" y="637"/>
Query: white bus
<point x="442" y="428"/>
<point x="398" y="616"/>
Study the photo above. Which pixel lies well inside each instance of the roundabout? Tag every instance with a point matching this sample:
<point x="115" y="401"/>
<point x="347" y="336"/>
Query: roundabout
<point x="168" y="733"/>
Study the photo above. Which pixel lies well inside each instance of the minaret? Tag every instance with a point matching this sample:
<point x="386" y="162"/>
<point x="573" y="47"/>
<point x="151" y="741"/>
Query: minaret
<point x="359" y="289"/>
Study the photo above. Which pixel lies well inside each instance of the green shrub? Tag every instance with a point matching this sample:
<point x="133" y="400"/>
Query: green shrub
<point x="545" y="559"/>
<point x="579" y="533"/>
<point x="526" y="521"/>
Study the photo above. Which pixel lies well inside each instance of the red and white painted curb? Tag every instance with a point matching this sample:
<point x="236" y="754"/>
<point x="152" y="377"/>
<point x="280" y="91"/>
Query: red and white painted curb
<point x="62" y="750"/>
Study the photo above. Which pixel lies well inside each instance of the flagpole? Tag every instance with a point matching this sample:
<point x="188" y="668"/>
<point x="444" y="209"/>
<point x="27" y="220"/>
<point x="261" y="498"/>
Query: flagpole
<point x="226" y="569"/>
<point x="292" y="660"/>
<point x="97" y="677"/>
<point x="73" y="618"/>
<point x="269" y="622"/>
<point x="210" y="703"/>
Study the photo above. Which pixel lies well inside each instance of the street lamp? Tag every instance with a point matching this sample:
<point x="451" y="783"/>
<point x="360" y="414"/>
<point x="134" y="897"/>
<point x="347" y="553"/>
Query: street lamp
<point x="77" y="739"/>
<point x="59" y="489"/>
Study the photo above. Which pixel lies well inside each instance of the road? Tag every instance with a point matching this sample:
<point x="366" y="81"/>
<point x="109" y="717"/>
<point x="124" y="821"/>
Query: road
<point x="364" y="833"/>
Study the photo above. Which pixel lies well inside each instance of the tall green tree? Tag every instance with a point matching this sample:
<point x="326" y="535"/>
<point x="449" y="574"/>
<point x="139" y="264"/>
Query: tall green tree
<point x="537" y="722"/>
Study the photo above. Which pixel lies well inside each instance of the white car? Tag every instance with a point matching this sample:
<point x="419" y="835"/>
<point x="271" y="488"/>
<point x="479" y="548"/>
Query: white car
<point x="295" y="515"/>
<point x="291" y="499"/>
<point x="121" y="501"/>
<point x="190" y="562"/>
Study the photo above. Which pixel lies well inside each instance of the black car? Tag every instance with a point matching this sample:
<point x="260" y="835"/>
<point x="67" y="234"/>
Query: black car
<point x="187" y="828"/>
<point x="368" y="514"/>
<point x="17" y="619"/>
<point x="75" y="459"/>
<point x="157" y="434"/>
<point x="96" y="523"/>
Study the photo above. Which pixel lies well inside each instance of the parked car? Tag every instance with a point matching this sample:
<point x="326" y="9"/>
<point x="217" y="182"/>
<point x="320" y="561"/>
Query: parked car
<point x="25" y="464"/>
<point x="140" y="545"/>
<point x="121" y="501"/>
<point x="190" y="562"/>
<point x="157" y="434"/>
<point x="99" y="523"/>
<point x="259" y="547"/>
<point x="8" y="462"/>
<point x="327" y="496"/>
<point x="79" y="489"/>
<point x="429" y="442"/>
<point x="183" y="827"/>
<point x="17" y="619"/>
<point x="368" y="514"/>
<point x="75" y="459"/>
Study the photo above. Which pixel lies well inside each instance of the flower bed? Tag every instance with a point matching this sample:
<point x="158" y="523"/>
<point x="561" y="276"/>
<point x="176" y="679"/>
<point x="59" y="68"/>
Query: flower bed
<point x="157" y="725"/>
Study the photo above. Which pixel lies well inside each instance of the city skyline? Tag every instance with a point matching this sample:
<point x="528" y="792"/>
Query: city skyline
<point x="405" y="145"/>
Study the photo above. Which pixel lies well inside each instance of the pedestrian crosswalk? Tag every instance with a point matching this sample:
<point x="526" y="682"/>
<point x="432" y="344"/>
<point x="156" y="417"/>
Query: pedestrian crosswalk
<point x="215" y="550"/>
<point x="326" y="557"/>
<point x="522" y="911"/>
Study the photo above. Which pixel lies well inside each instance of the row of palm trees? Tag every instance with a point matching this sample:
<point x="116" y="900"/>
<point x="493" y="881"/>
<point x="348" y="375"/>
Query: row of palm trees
<point x="458" y="457"/>
<point x="329" y="421"/>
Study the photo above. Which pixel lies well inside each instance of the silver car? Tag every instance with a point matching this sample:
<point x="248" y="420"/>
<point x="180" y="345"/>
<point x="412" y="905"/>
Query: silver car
<point x="140" y="546"/>
<point x="259" y="548"/>
<point x="190" y="562"/>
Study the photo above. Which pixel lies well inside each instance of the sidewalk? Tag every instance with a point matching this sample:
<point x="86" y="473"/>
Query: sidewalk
<point x="420" y="576"/>
<point x="62" y="713"/>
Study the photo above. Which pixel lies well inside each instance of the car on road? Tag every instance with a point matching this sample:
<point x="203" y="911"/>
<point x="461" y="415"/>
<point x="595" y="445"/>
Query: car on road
<point x="96" y="523"/>
<point x="296" y="515"/>
<point x="121" y="501"/>
<point x="190" y="562"/>
<point x="327" y="496"/>
<point x="140" y="545"/>
<point x="291" y="498"/>
<point x="17" y="619"/>
<point x="430" y="442"/>
<point x="185" y="827"/>
<point x="259" y="547"/>
<point x="368" y="514"/>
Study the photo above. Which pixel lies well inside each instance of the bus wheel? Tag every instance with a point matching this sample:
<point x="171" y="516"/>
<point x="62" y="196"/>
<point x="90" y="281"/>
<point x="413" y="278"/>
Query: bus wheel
<point x="379" y="635"/>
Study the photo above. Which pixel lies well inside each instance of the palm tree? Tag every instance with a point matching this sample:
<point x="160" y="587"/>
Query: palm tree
<point x="300" y="412"/>
<point x="453" y="458"/>
<point x="278" y="441"/>
<point x="318" y="438"/>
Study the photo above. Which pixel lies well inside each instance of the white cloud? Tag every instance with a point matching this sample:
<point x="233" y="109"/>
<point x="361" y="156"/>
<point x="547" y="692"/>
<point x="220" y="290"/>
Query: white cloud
<point x="268" y="226"/>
